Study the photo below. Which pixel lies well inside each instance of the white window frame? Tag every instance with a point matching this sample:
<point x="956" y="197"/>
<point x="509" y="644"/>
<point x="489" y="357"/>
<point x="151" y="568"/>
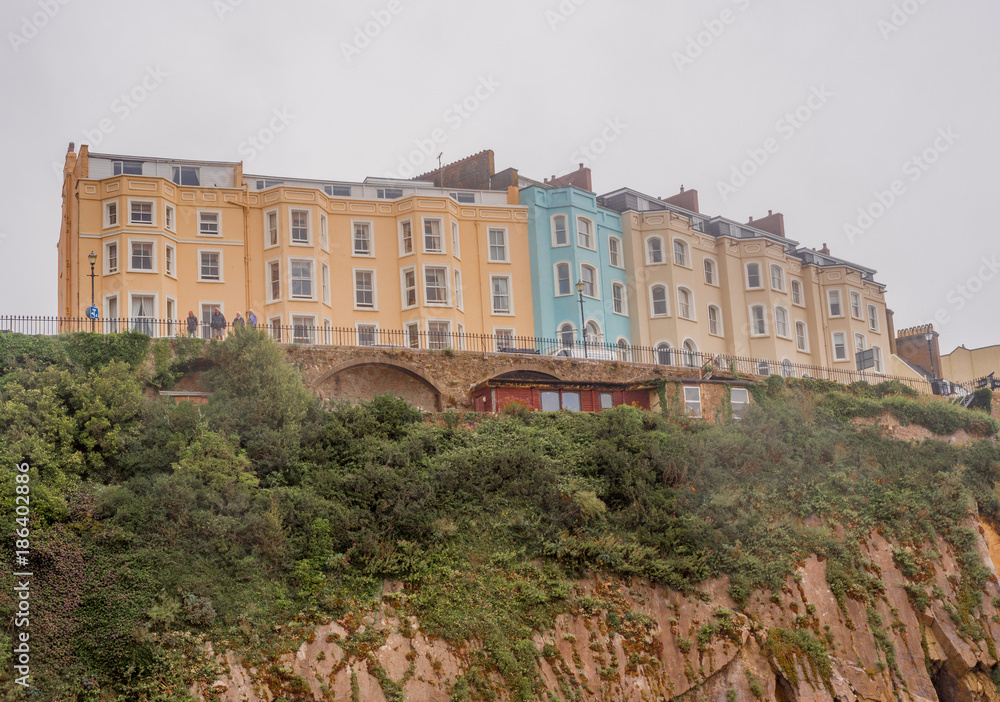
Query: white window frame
<point x="746" y="275"/>
<point x="201" y="278"/>
<point x="108" y="224"/>
<point x="873" y="324"/>
<point x="692" y="401"/>
<point x="156" y="308"/>
<point x="649" y="251"/>
<point x="354" y="288"/>
<point x="552" y="222"/>
<point x="623" y="298"/>
<point x="271" y="325"/>
<point x="829" y="303"/>
<point x="218" y="222"/>
<point x="170" y="218"/>
<point x="833" y="341"/>
<point x="597" y="281"/>
<point x="858" y="336"/>
<point x="172" y="319"/>
<point x="268" y="242"/>
<point x="496" y="334"/>
<point x="709" y="262"/>
<point x="312" y="278"/>
<point x="450" y="333"/>
<point x="411" y="331"/>
<point x="798" y="298"/>
<point x="775" y="268"/>
<point x="489" y="245"/>
<point x="107" y="257"/>
<point x="313" y="326"/>
<point x="324" y="233"/>
<point x="804" y="347"/>
<point x="403" y="289"/>
<point x="788" y="323"/>
<point x="879" y="367"/>
<point x="327" y="331"/>
<point x="456" y="240"/>
<point x="111" y="325"/>
<point x="753" y="322"/>
<point x="423" y="236"/>
<point x="269" y="280"/>
<point x="459" y="292"/>
<point x="154" y="256"/>
<point x="447" y="284"/>
<point x="615" y="242"/>
<point x="855" y="297"/>
<point x="291" y="229"/>
<point x="652" y="300"/>
<point x="357" y="333"/>
<point x="742" y="403"/>
<point x="371" y="238"/>
<point x="169" y="270"/>
<point x="593" y="233"/>
<point x="510" y="296"/>
<point x="324" y="282"/>
<point x="569" y="277"/>
<point x="686" y="252"/>
<point x="152" y="212"/>
<point x="401" y="227"/>
<point x="719" y="329"/>
<point x="692" y="306"/>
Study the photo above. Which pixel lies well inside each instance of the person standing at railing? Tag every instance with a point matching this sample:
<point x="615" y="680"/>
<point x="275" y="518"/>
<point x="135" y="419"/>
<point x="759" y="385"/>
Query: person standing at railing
<point x="238" y="321"/>
<point x="218" y="324"/>
<point x="192" y="324"/>
<point x="252" y="318"/>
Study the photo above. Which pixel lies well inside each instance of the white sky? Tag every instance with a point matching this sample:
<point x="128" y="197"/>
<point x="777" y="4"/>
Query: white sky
<point x="218" y="76"/>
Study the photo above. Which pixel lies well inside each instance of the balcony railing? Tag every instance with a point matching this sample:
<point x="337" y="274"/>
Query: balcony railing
<point x="447" y="340"/>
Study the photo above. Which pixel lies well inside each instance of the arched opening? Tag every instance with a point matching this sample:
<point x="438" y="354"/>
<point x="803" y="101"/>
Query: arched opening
<point x="362" y="381"/>
<point x="567" y="335"/>
<point x="690" y="353"/>
<point x="664" y="353"/>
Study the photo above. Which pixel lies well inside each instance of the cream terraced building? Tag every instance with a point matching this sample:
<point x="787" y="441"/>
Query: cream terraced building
<point x="701" y="284"/>
<point x="308" y="256"/>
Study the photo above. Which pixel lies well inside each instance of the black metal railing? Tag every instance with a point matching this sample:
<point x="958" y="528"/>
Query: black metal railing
<point x="444" y="339"/>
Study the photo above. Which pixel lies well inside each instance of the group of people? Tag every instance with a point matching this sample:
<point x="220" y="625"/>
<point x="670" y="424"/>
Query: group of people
<point x="218" y="322"/>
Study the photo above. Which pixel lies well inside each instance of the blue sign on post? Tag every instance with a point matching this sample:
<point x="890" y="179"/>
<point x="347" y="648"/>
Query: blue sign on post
<point x="92" y="312"/>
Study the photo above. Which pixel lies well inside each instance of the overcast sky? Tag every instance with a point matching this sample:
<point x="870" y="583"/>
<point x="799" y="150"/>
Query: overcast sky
<point x="812" y="109"/>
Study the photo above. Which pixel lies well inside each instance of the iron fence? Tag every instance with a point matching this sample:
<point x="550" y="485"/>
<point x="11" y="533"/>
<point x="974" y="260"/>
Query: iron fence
<point x="444" y="339"/>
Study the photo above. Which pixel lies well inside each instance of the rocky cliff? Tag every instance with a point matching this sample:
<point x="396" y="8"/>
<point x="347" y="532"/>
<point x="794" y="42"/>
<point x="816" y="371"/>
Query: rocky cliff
<point x="632" y="641"/>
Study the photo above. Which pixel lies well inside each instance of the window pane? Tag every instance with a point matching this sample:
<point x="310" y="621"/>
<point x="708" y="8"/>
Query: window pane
<point x="550" y="401"/>
<point x="501" y="295"/>
<point x="560" y="231"/>
<point x="571" y="401"/>
<point x="607" y="400"/>
<point x="435" y="284"/>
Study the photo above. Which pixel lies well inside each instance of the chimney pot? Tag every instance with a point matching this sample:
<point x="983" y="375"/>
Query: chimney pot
<point x="682" y="188"/>
<point x="72" y="147"/>
<point x="581" y="166"/>
<point x="769" y="213"/>
<point x="751" y="219"/>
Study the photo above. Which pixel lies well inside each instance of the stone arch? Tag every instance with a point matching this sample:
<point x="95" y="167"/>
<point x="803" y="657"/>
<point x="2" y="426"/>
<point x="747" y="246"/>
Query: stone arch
<point x="360" y="380"/>
<point x="520" y="368"/>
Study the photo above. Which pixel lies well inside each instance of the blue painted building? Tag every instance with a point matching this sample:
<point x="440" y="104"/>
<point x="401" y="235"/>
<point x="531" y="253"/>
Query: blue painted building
<point x="573" y="240"/>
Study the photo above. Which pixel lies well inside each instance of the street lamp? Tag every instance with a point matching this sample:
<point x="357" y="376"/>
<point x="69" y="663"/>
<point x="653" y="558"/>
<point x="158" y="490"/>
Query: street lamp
<point x="583" y="323"/>
<point x="93" y="259"/>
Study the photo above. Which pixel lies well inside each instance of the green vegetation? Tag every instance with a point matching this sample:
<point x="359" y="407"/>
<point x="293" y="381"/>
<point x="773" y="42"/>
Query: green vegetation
<point x="156" y="522"/>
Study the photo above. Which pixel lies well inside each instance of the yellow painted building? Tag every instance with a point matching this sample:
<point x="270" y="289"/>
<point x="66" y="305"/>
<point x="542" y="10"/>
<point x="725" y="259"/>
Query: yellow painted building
<point x="391" y="262"/>
<point x="963" y="365"/>
<point x="709" y="285"/>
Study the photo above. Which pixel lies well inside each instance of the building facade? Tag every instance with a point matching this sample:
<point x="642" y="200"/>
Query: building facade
<point x="573" y="240"/>
<point x="709" y="285"/>
<point x="397" y="262"/>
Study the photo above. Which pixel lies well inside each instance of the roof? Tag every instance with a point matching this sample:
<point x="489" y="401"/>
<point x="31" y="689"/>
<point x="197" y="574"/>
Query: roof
<point x="159" y="159"/>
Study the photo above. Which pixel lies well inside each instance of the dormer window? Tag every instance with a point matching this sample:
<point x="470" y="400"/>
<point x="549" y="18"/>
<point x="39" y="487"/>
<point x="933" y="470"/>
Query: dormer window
<point x="185" y="175"/>
<point x="337" y="190"/>
<point x="128" y="167"/>
<point x="464" y="198"/>
<point x="389" y="193"/>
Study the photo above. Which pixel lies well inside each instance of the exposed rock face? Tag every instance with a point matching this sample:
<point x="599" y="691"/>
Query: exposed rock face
<point x="638" y="642"/>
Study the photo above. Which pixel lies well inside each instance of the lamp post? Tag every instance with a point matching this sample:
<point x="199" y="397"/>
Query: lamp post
<point x="930" y="354"/>
<point x="93" y="259"/>
<point x="583" y="323"/>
